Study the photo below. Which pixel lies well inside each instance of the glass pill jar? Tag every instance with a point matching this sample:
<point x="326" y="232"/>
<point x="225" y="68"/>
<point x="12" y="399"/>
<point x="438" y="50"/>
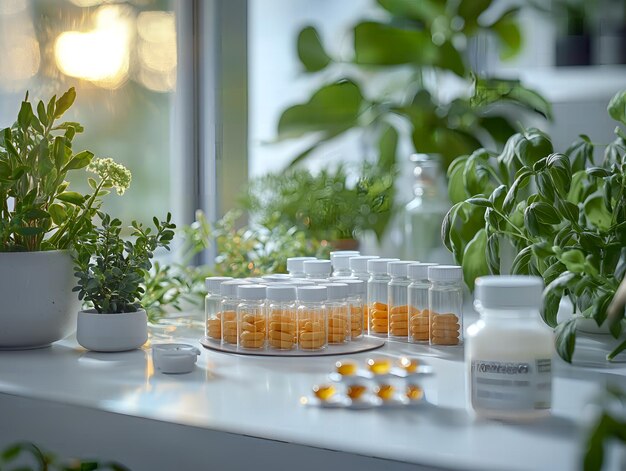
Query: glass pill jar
<point x="281" y="317"/>
<point x="251" y="320"/>
<point x="377" y="295"/>
<point x="417" y="299"/>
<point x="338" y="313"/>
<point x="295" y="266"/>
<point x="213" y="307"/>
<point x="312" y="318"/>
<point x="317" y="269"/>
<point x="357" y="305"/>
<point x="341" y="264"/>
<point x="508" y="351"/>
<point x="398" y="327"/>
<point x="228" y="312"/>
<point x="445" y="304"/>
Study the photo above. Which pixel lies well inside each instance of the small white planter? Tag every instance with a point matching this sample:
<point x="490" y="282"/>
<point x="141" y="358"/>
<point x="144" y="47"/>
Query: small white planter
<point x="112" y="332"/>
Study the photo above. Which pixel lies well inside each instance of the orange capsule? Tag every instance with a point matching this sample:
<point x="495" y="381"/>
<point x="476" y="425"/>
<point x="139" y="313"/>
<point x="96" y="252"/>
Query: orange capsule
<point x="379" y="366"/>
<point x="409" y="364"/>
<point x="355" y="391"/>
<point x="324" y="391"/>
<point x="414" y="392"/>
<point x="384" y="391"/>
<point x="346" y="367"/>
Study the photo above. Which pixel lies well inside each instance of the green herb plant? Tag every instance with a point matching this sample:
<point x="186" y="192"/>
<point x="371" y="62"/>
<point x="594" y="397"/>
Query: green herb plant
<point x="564" y="215"/>
<point x="112" y="271"/>
<point x="37" y="210"/>
<point x="323" y="205"/>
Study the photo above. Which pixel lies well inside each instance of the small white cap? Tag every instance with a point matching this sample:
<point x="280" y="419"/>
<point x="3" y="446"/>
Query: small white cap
<point x="336" y="291"/>
<point x="286" y="292"/>
<point x="317" y="267"/>
<point x="312" y="294"/>
<point x="229" y="288"/>
<point x="319" y="281"/>
<point x="509" y="292"/>
<point x="379" y="265"/>
<point x="445" y="273"/>
<point x="254" y="279"/>
<point x="252" y="292"/>
<point x="360" y="263"/>
<point x="276" y="277"/>
<point x="213" y="283"/>
<point x="340" y="253"/>
<point x="419" y="271"/>
<point x="298" y="283"/>
<point x="294" y="264"/>
<point x="342" y="262"/>
<point x="354" y="286"/>
<point x="398" y="268"/>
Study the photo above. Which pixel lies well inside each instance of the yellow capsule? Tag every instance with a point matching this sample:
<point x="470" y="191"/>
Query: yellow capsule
<point x="379" y="366"/>
<point x="384" y="391"/>
<point x="409" y="364"/>
<point x="355" y="391"/>
<point x="324" y="391"/>
<point x="346" y="368"/>
<point x="414" y="392"/>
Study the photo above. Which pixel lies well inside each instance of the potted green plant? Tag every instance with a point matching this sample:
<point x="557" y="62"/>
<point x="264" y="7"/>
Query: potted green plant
<point x="111" y="275"/>
<point x="564" y="215"/>
<point x="41" y="219"/>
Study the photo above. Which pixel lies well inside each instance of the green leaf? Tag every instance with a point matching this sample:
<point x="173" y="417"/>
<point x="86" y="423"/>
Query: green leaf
<point x="450" y="59"/>
<point x="596" y="212"/>
<point x="310" y="50"/>
<point x="25" y="115"/>
<point x="71" y="197"/>
<point x="508" y="32"/>
<point x="58" y="150"/>
<point x="383" y="44"/>
<point x="598" y="172"/>
<point x="57" y="213"/>
<point x="475" y="259"/>
<point x="425" y="11"/>
<point x="493" y="254"/>
<point x="80" y="160"/>
<point x="521" y="262"/>
<point x="35" y="213"/>
<point x="387" y="149"/>
<point x="616" y="351"/>
<point x="477" y="201"/>
<point x="30" y="231"/>
<point x="12" y="452"/>
<point x="64" y="103"/>
<point x="497" y="197"/>
<point x="470" y="10"/>
<point x="332" y="108"/>
<point x="534" y="145"/>
<point x="41" y="112"/>
<point x="545" y="213"/>
<point x="568" y="210"/>
<point x="499" y="127"/>
<point x="495" y="91"/>
<point x="580" y="153"/>
<point x="617" y="107"/>
<point x="566" y="339"/>
<point x="511" y="196"/>
<point x="456" y="188"/>
<point x="574" y="260"/>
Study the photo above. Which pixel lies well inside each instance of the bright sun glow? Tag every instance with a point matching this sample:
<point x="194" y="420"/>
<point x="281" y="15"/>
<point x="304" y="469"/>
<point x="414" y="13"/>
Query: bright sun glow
<point x="100" y="55"/>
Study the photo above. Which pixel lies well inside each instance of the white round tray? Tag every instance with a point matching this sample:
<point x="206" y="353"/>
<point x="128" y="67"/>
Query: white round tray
<point x="364" y="344"/>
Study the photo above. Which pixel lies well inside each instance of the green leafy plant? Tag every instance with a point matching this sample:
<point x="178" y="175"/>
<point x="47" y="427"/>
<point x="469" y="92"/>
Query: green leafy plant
<point x="111" y="271"/>
<point x="324" y="206"/>
<point x="27" y="456"/>
<point x="564" y="216"/>
<point x="37" y="210"/>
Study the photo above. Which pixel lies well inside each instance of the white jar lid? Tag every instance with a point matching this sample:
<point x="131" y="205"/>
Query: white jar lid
<point x="251" y="292"/>
<point x="342" y="262"/>
<point x="276" y="277"/>
<point x="294" y="264"/>
<point x="398" y="268"/>
<point x="229" y="288"/>
<point x="297" y="283"/>
<point x="312" y="293"/>
<point x="360" y="263"/>
<point x="174" y="358"/>
<point x="284" y="292"/>
<point x="509" y="292"/>
<point x="336" y="291"/>
<point x="213" y="283"/>
<point x="419" y="271"/>
<point x="354" y="286"/>
<point x="445" y="273"/>
<point x="340" y="253"/>
<point x="317" y="267"/>
<point x="379" y="265"/>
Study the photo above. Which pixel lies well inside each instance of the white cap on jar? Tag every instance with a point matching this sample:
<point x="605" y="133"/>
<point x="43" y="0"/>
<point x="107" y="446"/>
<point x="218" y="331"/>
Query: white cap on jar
<point x="398" y="268"/>
<point x="445" y="273"/>
<point x="419" y="271"/>
<point x="342" y="261"/>
<point x="336" y="291"/>
<point x="355" y="287"/>
<point x="229" y="288"/>
<point x="359" y="264"/>
<point x="509" y="292"/>
<point x="312" y="294"/>
<point x="379" y="265"/>
<point x="276" y="277"/>
<point x="213" y="283"/>
<point x="252" y="292"/>
<point x="294" y="264"/>
<point x="285" y="292"/>
<point x="317" y="267"/>
<point x="339" y="253"/>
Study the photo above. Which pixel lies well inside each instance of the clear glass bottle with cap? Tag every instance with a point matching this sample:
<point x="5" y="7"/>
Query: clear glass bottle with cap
<point x="356" y="304"/>
<point x="341" y="253"/>
<point x="508" y="351"/>
<point x="425" y="213"/>
<point x="276" y="278"/>
<point x="317" y="268"/>
<point x="358" y="267"/>
<point x="228" y="290"/>
<point x="445" y="304"/>
<point x="338" y="313"/>
<point x="398" y="327"/>
<point x="341" y="265"/>
<point x="377" y="296"/>
<point x="295" y="266"/>
<point x="417" y="298"/>
<point x="251" y="320"/>
<point x="312" y="318"/>
<point x="281" y="317"/>
<point x="213" y="307"/>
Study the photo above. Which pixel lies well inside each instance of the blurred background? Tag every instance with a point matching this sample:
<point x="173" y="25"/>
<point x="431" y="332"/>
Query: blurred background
<point x="306" y="113"/>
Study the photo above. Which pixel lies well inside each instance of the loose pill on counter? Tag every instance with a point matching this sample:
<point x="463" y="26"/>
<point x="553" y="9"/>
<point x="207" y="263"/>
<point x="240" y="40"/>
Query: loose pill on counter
<point x="355" y="391"/>
<point x="414" y="392"/>
<point x="384" y="391"/>
<point x="379" y="366"/>
<point x="409" y="364"/>
<point x="324" y="391"/>
<point x="346" y="367"/>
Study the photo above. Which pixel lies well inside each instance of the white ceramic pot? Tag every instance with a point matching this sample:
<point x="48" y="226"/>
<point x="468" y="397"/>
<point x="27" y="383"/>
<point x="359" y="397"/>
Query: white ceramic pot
<point x="112" y="332"/>
<point x="37" y="305"/>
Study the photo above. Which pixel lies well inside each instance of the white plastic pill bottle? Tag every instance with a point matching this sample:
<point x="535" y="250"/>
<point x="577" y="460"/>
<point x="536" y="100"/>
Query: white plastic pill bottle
<point x="508" y="351"/>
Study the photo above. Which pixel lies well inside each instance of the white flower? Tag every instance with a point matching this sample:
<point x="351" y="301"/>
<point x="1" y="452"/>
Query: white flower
<point x="111" y="173"/>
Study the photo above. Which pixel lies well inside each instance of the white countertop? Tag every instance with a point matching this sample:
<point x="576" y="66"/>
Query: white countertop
<point x="259" y="397"/>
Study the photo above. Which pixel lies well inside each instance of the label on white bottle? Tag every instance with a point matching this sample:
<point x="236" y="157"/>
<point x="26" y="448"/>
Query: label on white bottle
<point x="511" y="386"/>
